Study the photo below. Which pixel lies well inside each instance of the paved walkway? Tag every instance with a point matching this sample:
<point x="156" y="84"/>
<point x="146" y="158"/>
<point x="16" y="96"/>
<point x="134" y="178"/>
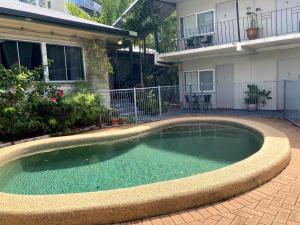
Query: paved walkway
<point x="276" y="203"/>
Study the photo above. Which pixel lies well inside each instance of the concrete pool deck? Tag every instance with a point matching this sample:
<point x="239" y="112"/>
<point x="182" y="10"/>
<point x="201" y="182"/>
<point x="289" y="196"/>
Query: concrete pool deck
<point x="146" y="200"/>
<point x="275" y="203"/>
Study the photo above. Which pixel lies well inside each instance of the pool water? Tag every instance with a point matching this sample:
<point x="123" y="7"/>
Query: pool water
<point x="170" y="153"/>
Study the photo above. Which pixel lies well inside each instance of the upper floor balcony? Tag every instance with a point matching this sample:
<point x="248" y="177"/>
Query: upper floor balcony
<point x="88" y="5"/>
<point x="200" y="31"/>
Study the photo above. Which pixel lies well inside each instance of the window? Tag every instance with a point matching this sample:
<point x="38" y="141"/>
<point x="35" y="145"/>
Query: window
<point x="66" y="63"/>
<point x="206" y="80"/>
<point x="205" y="22"/>
<point x="196" y="81"/>
<point x="8" y="53"/>
<point x="197" y="24"/>
<point x="30" y="54"/>
<point x="191" y="81"/>
<point x="26" y="54"/>
<point x="188" y="26"/>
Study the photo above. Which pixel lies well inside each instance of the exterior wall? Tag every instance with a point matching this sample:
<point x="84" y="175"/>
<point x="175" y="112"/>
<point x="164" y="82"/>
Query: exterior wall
<point x="58" y="5"/>
<point x="188" y="7"/>
<point x="268" y="68"/>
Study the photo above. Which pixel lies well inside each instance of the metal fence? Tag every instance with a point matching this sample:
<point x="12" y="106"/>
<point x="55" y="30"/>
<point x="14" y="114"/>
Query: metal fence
<point x="268" y="24"/>
<point x="292" y="101"/>
<point x="138" y="105"/>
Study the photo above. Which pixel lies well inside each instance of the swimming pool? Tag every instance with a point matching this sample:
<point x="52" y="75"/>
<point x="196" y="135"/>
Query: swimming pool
<point x="178" y="151"/>
<point x="166" y="186"/>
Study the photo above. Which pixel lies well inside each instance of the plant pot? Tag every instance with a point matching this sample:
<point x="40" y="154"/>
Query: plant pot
<point x="252" y="107"/>
<point x="252" y="33"/>
<point x="115" y="121"/>
<point x="124" y="120"/>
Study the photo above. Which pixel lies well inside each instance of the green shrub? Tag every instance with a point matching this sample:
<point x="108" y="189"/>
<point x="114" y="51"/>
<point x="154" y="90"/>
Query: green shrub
<point x="30" y="107"/>
<point x="149" y="103"/>
<point x="86" y="108"/>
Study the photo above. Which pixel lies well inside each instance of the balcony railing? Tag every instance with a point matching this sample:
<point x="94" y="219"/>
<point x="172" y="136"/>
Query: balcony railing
<point x="88" y="4"/>
<point x="273" y="23"/>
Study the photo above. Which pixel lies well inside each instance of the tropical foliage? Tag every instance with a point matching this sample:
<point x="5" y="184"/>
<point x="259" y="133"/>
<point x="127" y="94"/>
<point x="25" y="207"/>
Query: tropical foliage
<point x="30" y="107"/>
<point x="76" y="11"/>
<point x="111" y="11"/>
<point x="255" y="96"/>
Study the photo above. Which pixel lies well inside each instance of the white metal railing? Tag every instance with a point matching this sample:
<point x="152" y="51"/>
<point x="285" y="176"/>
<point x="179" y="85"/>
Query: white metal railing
<point x="292" y="101"/>
<point x="89" y="4"/>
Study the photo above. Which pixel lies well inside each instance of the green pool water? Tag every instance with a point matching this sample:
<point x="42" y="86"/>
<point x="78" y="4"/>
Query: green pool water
<point x="171" y="153"/>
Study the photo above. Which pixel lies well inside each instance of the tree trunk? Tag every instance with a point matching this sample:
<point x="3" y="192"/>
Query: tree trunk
<point x="141" y="66"/>
<point x="156" y="41"/>
<point x="130" y="61"/>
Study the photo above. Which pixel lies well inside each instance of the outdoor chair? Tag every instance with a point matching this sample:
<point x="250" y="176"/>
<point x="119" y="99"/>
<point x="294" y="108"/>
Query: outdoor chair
<point x="197" y="99"/>
<point x="198" y="41"/>
<point x="208" y="40"/>
<point x="190" y="101"/>
<point x="190" y="43"/>
<point x="207" y="102"/>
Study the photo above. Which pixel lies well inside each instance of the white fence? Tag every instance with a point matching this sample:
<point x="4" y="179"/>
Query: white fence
<point x="273" y="98"/>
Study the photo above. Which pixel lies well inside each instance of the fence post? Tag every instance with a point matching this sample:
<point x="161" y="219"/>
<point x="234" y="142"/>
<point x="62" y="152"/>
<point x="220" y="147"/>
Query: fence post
<point x="135" y="106"/>
<point x="284" y="98"/>
<point x="190" y="104"/>
<point x="159" y="101"/>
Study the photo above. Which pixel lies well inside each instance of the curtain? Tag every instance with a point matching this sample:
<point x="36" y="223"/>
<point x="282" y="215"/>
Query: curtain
<point x="74" y="63"/>
<point x="9" y="53"/>
<point x="30" y="54"/>
<point x="57" y="68"/>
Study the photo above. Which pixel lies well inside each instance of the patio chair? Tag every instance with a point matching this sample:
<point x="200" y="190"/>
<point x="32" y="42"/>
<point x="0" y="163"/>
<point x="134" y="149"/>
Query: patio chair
<point x="190" y="43"/>
<point x="197" y="102"/>
<point x="208" y="40"/>
<point x="190" y="101"/>
<point x="207" y="102"/>
<point x="198" y="41"/>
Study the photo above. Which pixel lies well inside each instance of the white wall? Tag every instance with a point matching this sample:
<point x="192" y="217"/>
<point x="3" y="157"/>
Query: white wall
<point x="58" y="5"/>
<point x="258" y="67"/>
<point x="188" y="7"/>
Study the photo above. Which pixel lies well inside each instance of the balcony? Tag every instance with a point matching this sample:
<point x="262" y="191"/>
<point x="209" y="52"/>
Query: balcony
<point x="277" y="27"/>
<point x="32" y="2"/>
<point x="88" y="5"/>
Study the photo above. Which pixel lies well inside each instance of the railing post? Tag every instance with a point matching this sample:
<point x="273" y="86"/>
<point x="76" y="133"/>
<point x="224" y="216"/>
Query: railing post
<point x="135" y="106"/>
<point x="159" y="101"/>
<point x="238" y="19"/>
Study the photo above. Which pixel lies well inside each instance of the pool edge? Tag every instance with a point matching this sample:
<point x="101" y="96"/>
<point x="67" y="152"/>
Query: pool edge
<point x="146" y="200"/>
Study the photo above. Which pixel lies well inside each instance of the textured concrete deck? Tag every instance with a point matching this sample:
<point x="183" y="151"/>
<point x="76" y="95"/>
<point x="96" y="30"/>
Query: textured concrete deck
<point x="276" y="203"/>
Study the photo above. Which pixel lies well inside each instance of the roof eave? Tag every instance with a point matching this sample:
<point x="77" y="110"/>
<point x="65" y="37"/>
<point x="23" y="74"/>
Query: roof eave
<point x="65" y="23"/>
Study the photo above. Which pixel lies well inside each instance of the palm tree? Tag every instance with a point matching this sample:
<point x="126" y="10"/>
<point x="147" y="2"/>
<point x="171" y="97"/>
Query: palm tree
<point x="143" y="20"/>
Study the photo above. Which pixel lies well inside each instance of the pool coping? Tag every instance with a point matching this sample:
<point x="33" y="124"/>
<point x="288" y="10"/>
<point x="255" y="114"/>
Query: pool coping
<point x="146" y="200"/>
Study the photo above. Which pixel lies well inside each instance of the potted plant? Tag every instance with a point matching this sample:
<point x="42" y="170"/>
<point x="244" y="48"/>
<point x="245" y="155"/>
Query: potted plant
<point x="252" y="31"/>
<point x="255" y="96"/>
<point x="124" y="119"/>
<point x="115" y="120"/>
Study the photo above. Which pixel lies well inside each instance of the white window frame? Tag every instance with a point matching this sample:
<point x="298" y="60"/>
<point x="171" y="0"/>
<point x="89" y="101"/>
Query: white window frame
<point x="45" y="58"/>
<point x="196" y="22"/>
<point x="64" y="81"/>
<point x="198" y="77"/>
<point x="27" y="41"/>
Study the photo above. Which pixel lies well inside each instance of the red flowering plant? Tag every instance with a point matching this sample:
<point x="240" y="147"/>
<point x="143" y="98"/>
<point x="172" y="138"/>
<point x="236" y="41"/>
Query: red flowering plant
<point x="56" y="97"/>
